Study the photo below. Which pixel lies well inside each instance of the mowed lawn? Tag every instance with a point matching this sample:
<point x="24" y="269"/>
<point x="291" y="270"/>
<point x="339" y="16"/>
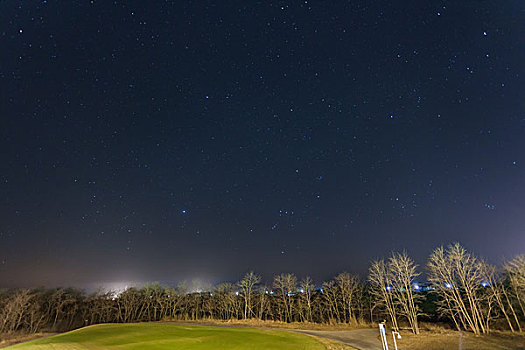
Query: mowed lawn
<point x="161" y="336"/>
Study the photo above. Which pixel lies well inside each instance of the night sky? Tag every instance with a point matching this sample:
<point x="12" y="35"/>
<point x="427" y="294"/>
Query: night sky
<point x="169" y="140"/>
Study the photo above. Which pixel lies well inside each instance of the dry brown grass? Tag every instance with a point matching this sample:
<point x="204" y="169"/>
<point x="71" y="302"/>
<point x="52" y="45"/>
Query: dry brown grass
<point x="15" y="338"/>
<point x="441" y="338"/>
<point x="276" y="324"/>
<point x="334" y="345"/>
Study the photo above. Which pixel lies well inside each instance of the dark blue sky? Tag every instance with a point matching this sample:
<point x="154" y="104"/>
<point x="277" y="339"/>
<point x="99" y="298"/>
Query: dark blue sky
<point x="160" y="141"/>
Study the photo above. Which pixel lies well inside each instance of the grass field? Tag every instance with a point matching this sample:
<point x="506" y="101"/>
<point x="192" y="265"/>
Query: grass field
<point x="169" y="336"/>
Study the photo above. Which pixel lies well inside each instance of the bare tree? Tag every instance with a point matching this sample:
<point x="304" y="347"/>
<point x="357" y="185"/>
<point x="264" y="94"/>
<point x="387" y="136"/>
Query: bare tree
<point x="263" y="303"/>
<point x="381" y="289"/>
<point x="348" y="286"/>
<point x="100" y="308"/>
<point x="403" y="272"/>
<point x="515" y="272"/>
<point x="285" y="284"/>
<point x="129" y="303"/>
<point x="247" y="286"/>
<point x="35" y="314"/>
<point x="495" y="282"/>
<point x="331" y="298"/>
<point x="457" y="276"/>
<point x="64" y="304"/>
<point x="307" y="288"/>
<point x="472" y="293"/>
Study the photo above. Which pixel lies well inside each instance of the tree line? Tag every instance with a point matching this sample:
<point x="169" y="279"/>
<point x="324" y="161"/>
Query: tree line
<point x="461" y="289"/>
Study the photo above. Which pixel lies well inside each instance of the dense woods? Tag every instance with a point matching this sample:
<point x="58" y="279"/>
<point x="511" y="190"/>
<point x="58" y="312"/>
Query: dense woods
<point x="462" y="290"/>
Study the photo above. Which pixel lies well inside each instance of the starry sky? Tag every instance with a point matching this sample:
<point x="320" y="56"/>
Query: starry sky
<point x="170" y="140"/>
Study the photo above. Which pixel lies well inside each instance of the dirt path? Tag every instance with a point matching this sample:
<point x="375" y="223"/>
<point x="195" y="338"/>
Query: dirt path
<point x="362" y="339"/>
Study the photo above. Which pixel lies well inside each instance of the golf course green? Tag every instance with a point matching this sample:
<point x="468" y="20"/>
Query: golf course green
<point x="161" y="336"/>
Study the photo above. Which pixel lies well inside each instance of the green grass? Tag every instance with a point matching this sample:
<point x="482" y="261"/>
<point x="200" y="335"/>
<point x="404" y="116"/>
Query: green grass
<point x="159" y="336"/>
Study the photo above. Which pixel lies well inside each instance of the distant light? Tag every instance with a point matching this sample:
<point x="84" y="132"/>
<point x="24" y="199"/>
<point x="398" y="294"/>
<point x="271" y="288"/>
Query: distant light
<point x="117" y="288"/>
<point x="448" y="285"/>
<point x="302" y="290"/>
<point x="485" y="284"/>
<point x="183" y="211"/>
<point x="236" y="293"/>
<point x="417" y="287"/>
<point x="388" y="288"/>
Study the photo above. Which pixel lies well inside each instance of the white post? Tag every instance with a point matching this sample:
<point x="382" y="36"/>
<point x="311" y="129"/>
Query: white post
<point x="394" y="337"/>
<point x="382" y="334"/>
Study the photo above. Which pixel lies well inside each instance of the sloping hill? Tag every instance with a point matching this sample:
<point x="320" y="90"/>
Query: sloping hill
<point x="159" y="336"/>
